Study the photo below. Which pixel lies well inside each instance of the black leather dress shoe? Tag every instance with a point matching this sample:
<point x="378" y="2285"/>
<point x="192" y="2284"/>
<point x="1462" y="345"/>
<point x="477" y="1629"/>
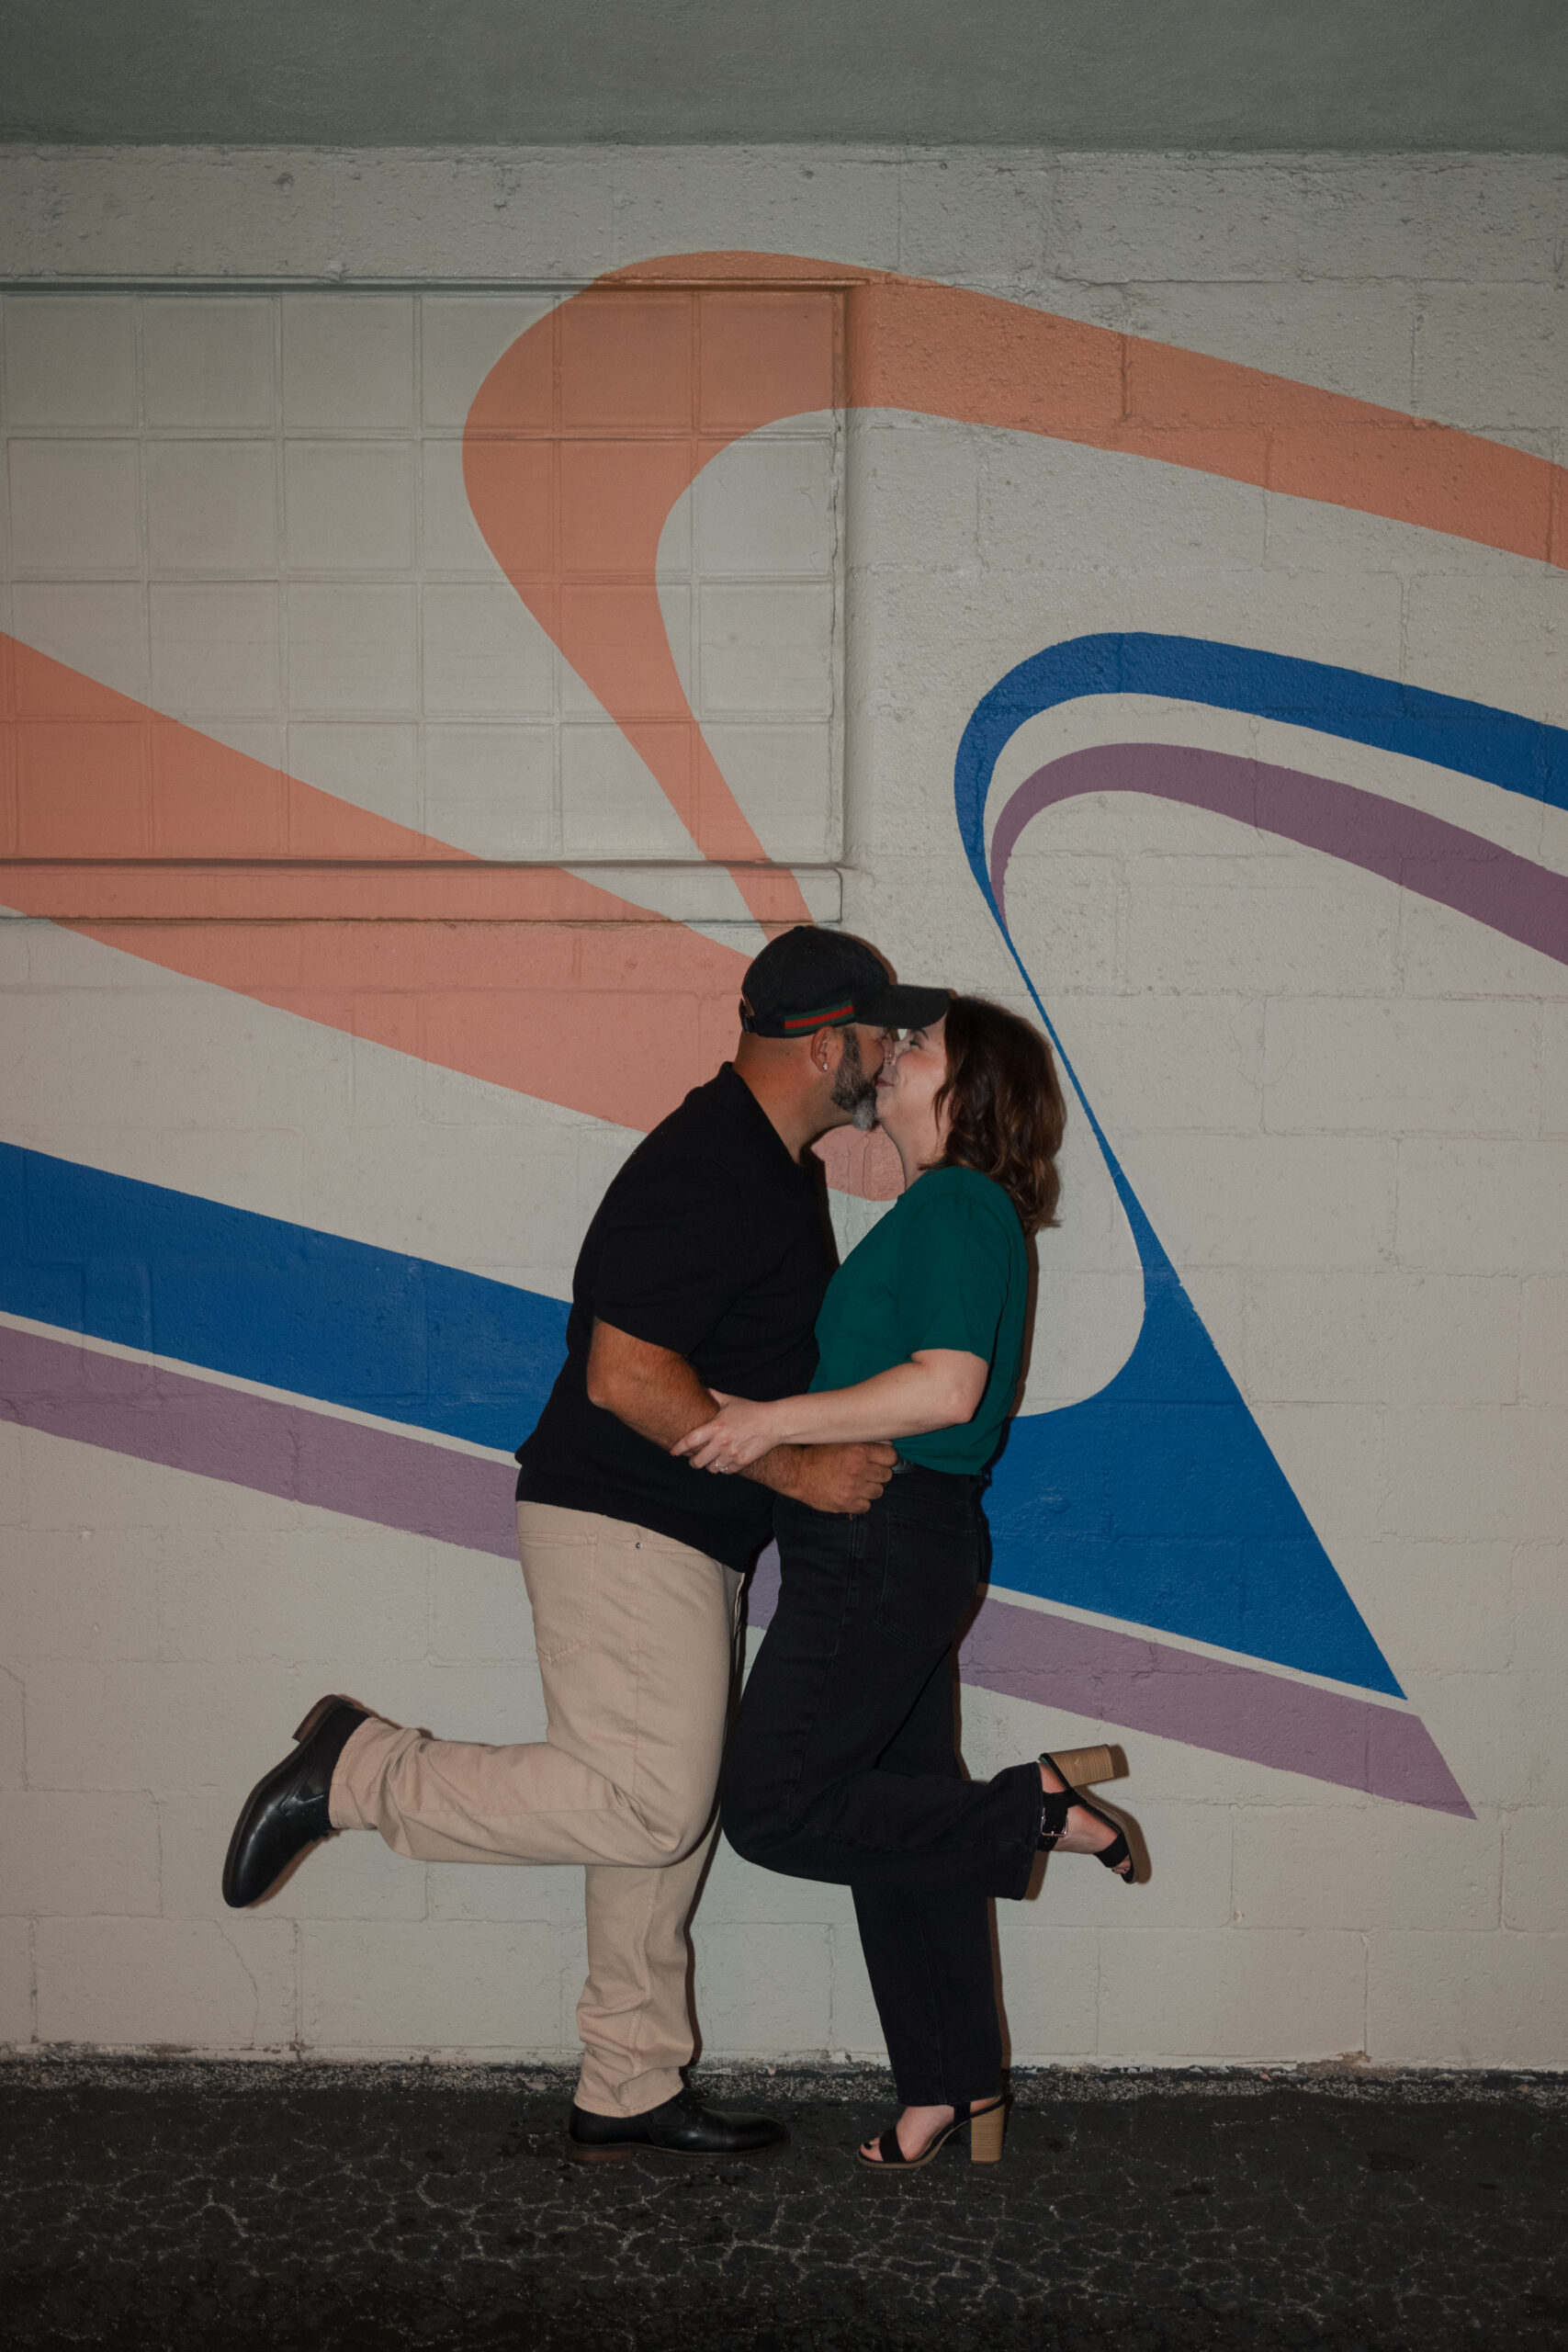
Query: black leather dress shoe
<point x="287" y="1810"/>
<point x="682" y="2128"/>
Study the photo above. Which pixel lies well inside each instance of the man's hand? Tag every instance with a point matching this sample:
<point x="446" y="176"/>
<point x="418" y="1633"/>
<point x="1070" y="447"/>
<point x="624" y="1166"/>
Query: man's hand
<point x="845" y="1479"/>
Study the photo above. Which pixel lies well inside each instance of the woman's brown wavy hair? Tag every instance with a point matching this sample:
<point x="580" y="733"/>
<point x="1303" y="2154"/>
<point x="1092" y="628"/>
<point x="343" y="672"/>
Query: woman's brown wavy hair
<point x="1006" y="1105"/>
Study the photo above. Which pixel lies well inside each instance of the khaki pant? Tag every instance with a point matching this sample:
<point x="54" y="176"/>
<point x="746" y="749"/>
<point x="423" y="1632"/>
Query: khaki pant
<point x="635" y="1640"/>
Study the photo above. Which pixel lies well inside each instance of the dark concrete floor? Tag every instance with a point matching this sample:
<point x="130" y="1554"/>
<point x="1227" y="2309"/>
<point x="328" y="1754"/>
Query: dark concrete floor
<point x="174" y="2204"/>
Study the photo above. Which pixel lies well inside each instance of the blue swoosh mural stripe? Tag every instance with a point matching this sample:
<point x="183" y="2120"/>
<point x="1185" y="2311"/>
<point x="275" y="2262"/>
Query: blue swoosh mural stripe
<point x="147" y="1267"/>
<point x="1159" y="1500"/>
<point x="1498" y="747"/>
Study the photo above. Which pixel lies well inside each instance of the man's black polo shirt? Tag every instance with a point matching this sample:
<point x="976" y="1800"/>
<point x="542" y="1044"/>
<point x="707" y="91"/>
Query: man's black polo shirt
<point x="713" y="1242"/>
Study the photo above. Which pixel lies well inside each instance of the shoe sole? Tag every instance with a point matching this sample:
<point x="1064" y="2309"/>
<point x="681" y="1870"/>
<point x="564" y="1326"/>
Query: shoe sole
<point x="621" y="2152"/>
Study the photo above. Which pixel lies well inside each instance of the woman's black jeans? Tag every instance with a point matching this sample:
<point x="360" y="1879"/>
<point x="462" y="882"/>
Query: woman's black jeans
<point x="842" y="1767"/>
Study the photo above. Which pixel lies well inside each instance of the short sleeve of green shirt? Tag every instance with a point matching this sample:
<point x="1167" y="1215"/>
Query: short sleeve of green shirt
<point x="955" y="1263"/>
<point x="945" y="1268"/>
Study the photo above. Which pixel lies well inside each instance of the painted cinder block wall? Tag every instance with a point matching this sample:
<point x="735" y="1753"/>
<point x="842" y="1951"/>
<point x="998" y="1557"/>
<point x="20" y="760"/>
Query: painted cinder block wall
<point x="304" y="1112"/>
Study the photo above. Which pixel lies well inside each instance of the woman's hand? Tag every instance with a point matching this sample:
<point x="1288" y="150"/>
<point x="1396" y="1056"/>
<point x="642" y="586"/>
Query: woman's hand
<point x="738" y="1435"/>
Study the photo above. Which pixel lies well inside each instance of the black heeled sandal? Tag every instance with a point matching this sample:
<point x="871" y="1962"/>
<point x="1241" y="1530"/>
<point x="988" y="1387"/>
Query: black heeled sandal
<point x="985" y="2125"/>
<point x="1090" y="1764"/>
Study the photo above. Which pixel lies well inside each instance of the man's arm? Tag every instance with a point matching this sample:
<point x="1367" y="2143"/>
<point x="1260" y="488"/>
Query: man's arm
<point x="657" y="1393"/>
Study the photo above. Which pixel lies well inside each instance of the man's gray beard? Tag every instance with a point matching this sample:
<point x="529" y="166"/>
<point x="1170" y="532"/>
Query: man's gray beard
<point x="852" y="1090"/>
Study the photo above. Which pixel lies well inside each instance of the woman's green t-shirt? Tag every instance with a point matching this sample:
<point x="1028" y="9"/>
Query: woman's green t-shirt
<point x="945" y="1268"/>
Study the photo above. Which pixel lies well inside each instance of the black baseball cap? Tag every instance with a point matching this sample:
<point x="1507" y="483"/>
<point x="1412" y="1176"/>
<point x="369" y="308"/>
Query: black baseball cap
<point x="809" y="979"/>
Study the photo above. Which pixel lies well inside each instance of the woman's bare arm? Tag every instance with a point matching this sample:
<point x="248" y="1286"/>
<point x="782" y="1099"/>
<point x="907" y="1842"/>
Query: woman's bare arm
<point x="937" y="1389"/>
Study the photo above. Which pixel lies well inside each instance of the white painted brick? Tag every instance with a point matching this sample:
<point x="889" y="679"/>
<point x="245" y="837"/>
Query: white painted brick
<point x="70" y="360"/>
<point x="1539" y="1581"/>
<point x="1467" y="2000"/>
<point x="610" y="804"/>
<point x="1440" y="1608"/>
<point x="972" y="219"/>
<point x="461" y="338"/>
<point x="1274" y="926"/>
<point x="118" y="1041"/>
<point x="761" y="1988"/>
<point x="546" y="1896"/>
<point x="349" y="505"/>
<point x="1268" y="1200"/>
<point x="1340" y="1065"/>
<point x="1045" y="505"/>
<point x="173" y="1984"/>
<point x="1125" y="218"/>
<point x="444" y="1984"/>
<point x="1500" y="1734"/>
<point x="1333" y="1456"/>
<point x="100" y="630"/>
<point x="354" y="1876"/>
<point x="1543" y="1356"/>
<point x="1476" y="1471"/>
<point x="745" y="199"/>
<point x="912" y="494"/>
<point x="212" y="506"/>
<point x="376" y="767"/>
<point x="1190" y="1882"/>
<point x="1068" y="916"/>
<point x="484" y="656"/>
<point x="347" y="362"/>
<point x="1367" y="1338"/>
<point x="1483" y="1207"/>
<point x="766" y="507"/>
<point x="74" y="507"/>
<point x="13" y="1742"/>
<point x="1358" y="340"/>
<point x="292" y="1598"/>
<point x="1434" y="215"/>
<point x="767" y="650"/>
<point x="523" y="214"/>
<point x="738" y="1891"/>
<point x="1535" y="1870"/>
<point x="16" y="1981"/>
<point x="1240" y="1993"/>
<point x="1086" y="1326"/>
<point x="78" y="1852"/>
<point x="1345" y="1866"/>
<point x="479" y="1615"/>
<point x="1493" y="356"/>
<point x="203" y="212"/>
<point x="351" y="650"/>
<point x="1168" y="1063"/>
<point x="133" y="1726"/>
<point x="214" y="648"/>
<point x="783" y="778"/>
<point x="1464" y="639"/>
<point x="450" y="539"/>
<point x="81" y="1593"/>
<point x="1554" y="1069"/>
<point x="1050" y="1985"/>
<point x="853" y="2026"/>
<point x="210" y="362"/>
<point x="1443" y="952"/>
<point x="493" y="789"/>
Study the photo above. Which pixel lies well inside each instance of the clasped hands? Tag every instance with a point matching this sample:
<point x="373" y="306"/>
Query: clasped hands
<point x="739" y="1433"/>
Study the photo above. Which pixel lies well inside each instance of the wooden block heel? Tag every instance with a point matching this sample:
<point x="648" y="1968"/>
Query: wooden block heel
<point x="1082" y="1766"/>
<point x="985" y="2127"/>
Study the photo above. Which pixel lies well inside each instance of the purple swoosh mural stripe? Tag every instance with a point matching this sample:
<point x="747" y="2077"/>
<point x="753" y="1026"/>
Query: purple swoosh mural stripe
<point x="1232" y="1710"/>
<point x="280" y="1449"/>
<point x="405" y="1482"/>
<point x="1437" y="860"/>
